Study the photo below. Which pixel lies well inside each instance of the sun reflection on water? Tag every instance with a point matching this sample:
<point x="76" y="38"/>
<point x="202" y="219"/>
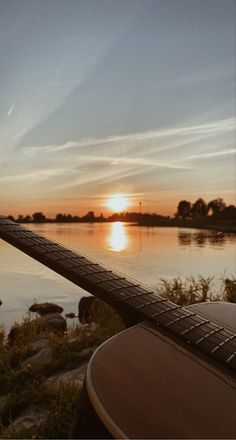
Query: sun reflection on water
<point x="117" y="239"/>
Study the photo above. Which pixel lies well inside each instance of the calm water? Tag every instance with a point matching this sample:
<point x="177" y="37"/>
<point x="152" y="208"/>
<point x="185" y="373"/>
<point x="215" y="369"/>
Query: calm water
<point x="147" y="254"/>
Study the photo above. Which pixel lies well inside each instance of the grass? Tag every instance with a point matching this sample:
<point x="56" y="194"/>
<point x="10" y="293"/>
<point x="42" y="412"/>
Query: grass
<point x="194" y="290"/>
<point x="23" y="383"/>
<point x="61" y="405"/>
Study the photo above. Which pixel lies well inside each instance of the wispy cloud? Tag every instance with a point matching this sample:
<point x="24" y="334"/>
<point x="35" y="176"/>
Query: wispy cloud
<point x="36" y="176"/>
<point x="212" y="154"/>
<point x="11" y="110"/>
<point x="140" y="161"/>
<point x="208" y="129"/>
<point x="121" y="158"/>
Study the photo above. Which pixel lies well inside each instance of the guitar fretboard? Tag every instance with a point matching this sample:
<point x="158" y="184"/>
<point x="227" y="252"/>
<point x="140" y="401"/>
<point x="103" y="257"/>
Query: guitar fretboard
<point x="124" y="293"/>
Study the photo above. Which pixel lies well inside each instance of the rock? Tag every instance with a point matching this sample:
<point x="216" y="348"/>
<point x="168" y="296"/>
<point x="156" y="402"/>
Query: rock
<point x="43" y="357"/>
<point x="31" y="417"/>
<point x="45" y="308"/>
<point x="75" y="377"/>
<point x="85" y="309"/>
<point x="82" y="332"/>
<point x="87" y="352"/>
<point x="38" y="342"/>
<point x="71" y="315"/>
<point x="53" y="322"/>
<point x="0" y="302"/>
<point x="94" y="310"/>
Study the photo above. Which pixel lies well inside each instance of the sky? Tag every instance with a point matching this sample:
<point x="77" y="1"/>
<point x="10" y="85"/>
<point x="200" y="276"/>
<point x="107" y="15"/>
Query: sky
<point x="100" y="97"/>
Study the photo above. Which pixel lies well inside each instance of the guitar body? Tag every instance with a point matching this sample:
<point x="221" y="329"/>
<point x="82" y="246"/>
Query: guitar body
<point x="142" y="384"/>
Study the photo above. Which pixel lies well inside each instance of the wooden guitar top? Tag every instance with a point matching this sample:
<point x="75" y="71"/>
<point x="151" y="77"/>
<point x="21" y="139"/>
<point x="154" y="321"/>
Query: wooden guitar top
<point x="145" y="385"/>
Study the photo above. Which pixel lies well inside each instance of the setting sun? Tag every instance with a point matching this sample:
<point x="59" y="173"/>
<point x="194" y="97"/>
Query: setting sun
<point x="117" y="202"/>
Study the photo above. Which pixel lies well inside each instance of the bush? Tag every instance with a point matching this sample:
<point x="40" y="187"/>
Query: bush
<point x="194" y="290"/>
<point x="230" y="289"/>
<point x="189" y="291"/>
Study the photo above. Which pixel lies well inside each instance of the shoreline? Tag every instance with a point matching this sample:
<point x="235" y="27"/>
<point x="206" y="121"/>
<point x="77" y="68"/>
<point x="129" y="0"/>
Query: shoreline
<point x="216" y="228"/>
<point x="228" y="229"/>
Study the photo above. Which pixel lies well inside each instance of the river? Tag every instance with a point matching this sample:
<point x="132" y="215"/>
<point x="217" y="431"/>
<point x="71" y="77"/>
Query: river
<point x="146" y="254"/>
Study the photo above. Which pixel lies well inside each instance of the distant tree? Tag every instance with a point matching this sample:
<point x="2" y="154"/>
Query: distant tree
<point x="10" y="217"/>
<point x="199" y="208"/>
<point x="20" y="218"/>
<point x="60" y="218"/>
<point x="216" y="206"/>
<point x="90" y="217"/>
<point x="229" y="213"/>
<point x="27" y="218"/>
<point x="183" y="210"/>
<point x="39" y="217"/>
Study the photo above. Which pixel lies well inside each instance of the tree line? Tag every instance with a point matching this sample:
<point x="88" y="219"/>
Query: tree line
<point x="186" y="211"/>
<point x="217" y="207"/>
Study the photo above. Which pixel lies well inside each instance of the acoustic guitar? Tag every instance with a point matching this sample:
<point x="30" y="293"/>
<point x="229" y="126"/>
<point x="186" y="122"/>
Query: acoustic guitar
<point x="171" y="375"/>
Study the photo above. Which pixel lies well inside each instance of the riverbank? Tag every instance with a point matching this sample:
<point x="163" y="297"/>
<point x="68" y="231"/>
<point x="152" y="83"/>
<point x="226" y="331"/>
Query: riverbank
<point x="207" y="224"/>
<point x="43" y="368"/>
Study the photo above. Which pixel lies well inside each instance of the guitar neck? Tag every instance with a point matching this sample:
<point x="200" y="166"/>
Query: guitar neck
<point x="123" y="293"/>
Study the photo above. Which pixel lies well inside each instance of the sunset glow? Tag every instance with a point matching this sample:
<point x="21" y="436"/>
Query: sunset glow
<point x="117" y="239"/>
<point x="126" y="109"/>
<point x="117" y="202"/>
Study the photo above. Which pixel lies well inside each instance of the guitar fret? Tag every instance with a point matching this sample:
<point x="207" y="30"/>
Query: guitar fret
<point x="123" y="287"/>
<point x="107" y="275"/>
<point x="111" y="285"/>
<point x="137" y="295"/>
<point x="113" y="289"/>
<point x="9" y="227"/>
<point x="92" y="273"/>
<point x="194" y="326"/>
<point x="134" y="295"/>
<point x="96" y="278"/>
<point x="118" y="288"/>
<point x="53" y="256"/>
<point x="84" y="270"/>
<point x="231" y="358"/>
<point x="147" y="304"/>
<point x="222" y="343"/>
<point x="43" y="249"/>
<point x="144" y="294"/>
<point x="223" y="354"/>
<point x="217" y="330"/>
<point x="102" y="281"/>
<point x="27" y="241"/>
<point x="156" y="315"/>
<point x="81" y="262"/>
<point x="180" y="318"/>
